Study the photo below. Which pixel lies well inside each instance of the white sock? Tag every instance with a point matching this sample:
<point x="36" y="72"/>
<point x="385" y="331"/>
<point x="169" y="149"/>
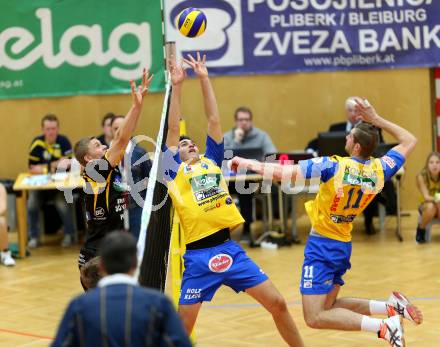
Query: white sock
<point x="378" y="307"/>
<point x="370" y="324"/>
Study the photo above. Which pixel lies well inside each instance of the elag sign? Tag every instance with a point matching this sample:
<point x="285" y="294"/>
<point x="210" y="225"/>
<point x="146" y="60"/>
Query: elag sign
<point x="56" y="48"/>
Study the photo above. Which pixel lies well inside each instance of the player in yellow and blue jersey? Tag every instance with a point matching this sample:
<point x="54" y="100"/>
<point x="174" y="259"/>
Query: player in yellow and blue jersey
<point x="347" y="185"/>
<point x="208" y="215"/>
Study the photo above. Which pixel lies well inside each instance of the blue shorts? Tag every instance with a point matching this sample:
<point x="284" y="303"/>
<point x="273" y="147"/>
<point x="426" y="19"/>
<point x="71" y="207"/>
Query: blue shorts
<point x="325" y="262"/>
<point x="208" y="268"/>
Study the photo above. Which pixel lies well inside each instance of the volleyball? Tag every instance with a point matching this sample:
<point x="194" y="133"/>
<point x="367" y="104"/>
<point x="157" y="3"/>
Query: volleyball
<point x="191" y="22"/>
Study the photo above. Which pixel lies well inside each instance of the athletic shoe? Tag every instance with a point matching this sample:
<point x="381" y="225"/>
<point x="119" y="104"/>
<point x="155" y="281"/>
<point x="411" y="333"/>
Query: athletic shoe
<point x="420" y="235"/>
<point x="391" y="330"/>
<point x="7" y="259"/>
<point x="398" y="304"/>
<point x="33" y="242"/>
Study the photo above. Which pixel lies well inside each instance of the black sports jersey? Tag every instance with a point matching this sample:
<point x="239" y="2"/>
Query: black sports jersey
<point x="42" y="152"/>
<point x="106" y="198"/>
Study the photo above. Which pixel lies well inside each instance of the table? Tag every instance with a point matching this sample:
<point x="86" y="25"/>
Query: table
<point x="26" y="182"/>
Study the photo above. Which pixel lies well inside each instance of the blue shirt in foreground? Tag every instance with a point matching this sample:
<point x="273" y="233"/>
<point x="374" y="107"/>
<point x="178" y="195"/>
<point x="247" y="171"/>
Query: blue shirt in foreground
<point x="121" y="313"/>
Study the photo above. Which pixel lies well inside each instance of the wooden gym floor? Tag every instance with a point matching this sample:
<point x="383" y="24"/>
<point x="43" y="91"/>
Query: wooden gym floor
<point x="35" y="293"/>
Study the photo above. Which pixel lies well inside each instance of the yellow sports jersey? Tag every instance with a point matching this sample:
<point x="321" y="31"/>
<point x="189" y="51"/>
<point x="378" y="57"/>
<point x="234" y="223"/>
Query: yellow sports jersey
<point x="347" y="186"/>
<point x="41" y="152"/>
<point x="432" y="186"/>
<point x="200" y="194"/>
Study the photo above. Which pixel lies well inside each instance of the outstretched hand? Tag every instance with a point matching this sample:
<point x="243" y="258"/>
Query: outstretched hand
<point x="199" y="65"/>
<point x="365" y="111"/>
<point x="177" y="72"/>
<point x="234" y="163"/>
<point x="138" y="94"/>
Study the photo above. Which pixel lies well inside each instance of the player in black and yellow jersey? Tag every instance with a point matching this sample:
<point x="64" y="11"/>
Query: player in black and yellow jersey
<point x="347" y="186"/>
<point x="105" y="193"/>
<point x="48" y="152"/>
<point x="208" y="215"/>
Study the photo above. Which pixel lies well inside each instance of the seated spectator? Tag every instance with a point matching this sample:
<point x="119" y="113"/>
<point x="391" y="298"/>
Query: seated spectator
<point x="5" y="253"/>
<point x="428" y="182"/>
<point x="106" y="137"/>
<point x="90" y="275"/>
<point x="47" y="153"/>
<point x="352" y="118"/>
<point x="245" y="135"/>
<point x="119" y="312"/>
<point x="135" y="176"/>
<point x="346" y="126"/>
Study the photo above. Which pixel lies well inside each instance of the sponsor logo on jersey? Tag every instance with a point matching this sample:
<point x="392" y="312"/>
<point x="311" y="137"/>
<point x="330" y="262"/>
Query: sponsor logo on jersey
<point x="119" y="185"/>
<point x="193" y="293"/>
<point x="99" y="213"/>
<point x="356" y="176"/>
<point x="121" y="205"/>
<point x="308" y="284"/>
<point x="389" y="161"/>
<point x="205" y="186"/>
<point x="220" y="263"/>
<point x="342" y="219"/>
<point x="210" y="202"/>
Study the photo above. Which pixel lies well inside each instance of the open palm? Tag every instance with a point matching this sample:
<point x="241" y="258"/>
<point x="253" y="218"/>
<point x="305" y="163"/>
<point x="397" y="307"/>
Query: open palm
<point x="365" y="111"/>
<point x="138" y="94"/>
<point x="198" y="65"/>
<point x="177" y="72"/>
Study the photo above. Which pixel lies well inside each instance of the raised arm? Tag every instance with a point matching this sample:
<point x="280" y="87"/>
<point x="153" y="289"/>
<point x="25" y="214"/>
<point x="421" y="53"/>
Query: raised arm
<point x="209" y="100"/>
<point x="178" y="75"/>
<point x="278" y="172"/>
<point x="125" y="132"/>
<point x="406" y="140"/>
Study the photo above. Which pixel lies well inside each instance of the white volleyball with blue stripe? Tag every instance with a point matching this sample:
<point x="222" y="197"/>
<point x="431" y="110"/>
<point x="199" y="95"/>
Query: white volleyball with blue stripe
<point x="191" y="22"/>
